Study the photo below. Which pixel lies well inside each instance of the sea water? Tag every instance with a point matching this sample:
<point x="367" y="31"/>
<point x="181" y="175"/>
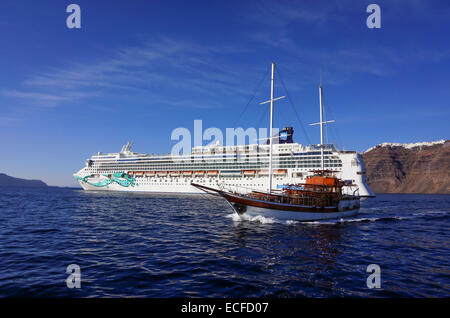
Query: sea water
<point x="157" y="245"/>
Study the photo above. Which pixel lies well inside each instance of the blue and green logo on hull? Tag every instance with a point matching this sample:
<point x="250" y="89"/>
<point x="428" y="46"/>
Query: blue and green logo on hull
<point x="120" y="178"/>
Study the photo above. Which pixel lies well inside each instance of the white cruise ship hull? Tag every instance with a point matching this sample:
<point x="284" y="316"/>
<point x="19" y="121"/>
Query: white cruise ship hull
<point x="143" y="188"/>
<point x="136" y="172"/>
<point x="182" y="185"/>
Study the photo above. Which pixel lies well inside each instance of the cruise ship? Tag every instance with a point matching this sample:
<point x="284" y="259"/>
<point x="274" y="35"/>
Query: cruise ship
<point x="262" y="166"/>
<point x="242" y="166"/>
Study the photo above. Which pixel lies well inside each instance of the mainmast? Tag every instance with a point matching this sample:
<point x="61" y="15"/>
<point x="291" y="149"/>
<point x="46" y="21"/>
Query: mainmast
<point x="322" y="164"/>
<point x="271" y="123"/>
<point x="271" y="126"/>
<point x="321" y="129"/>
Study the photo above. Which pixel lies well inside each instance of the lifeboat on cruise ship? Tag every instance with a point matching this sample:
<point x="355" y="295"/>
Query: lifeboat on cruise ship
<point x="199" y="173"/>
<point x="212" y="172"/>
<point x="280" y="172"/>
<point x="139" y="173"/>
<point x="263" y="172"/>
<point x="174" y="173"/>
<point x="161" y="173"/>
<point x="249" y="172"/>
<point x="187" y="173"/>
<point x="130" y="173"/>
<point x="149" y="173"/>
<point x="226" y="173"/>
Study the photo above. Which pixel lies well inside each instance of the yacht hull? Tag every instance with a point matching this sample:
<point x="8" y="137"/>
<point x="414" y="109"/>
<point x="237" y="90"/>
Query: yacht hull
<point x="297" y="216"/>
<point x="244" y="205"/>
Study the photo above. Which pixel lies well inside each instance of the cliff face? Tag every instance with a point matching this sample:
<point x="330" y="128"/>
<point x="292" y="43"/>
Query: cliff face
<point x="7" y="181"/>
<point x="409" y="168"/>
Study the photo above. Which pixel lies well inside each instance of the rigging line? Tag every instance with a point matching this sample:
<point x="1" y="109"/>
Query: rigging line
<point x="213" y="203"/>
<point x="324" y="119"/>
<point x="335" y="128"/>
<point x="266" y="109"/>
<point x="293" y="107"/>
<point x="251" y="99"/>
<point x="283" y="117"/>
<point x="206" y="196"/>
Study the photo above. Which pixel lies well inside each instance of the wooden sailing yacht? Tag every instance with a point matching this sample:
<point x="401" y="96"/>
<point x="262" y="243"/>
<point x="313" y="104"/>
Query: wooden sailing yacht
<point x="322" y="196"/>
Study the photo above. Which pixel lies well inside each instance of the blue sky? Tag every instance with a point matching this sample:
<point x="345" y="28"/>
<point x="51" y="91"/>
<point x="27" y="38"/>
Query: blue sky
<point x="136" y="70"/>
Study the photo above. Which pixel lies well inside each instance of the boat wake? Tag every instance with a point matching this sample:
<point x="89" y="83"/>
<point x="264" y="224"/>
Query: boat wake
<point x="264" y="220"/>
<point x="259" y="218"/>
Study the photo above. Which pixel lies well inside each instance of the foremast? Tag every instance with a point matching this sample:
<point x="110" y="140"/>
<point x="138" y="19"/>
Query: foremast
<point x="272" y="80"/>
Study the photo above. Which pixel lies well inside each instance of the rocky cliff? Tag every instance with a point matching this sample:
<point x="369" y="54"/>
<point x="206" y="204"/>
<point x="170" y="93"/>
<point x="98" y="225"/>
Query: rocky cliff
<point x="7" y="181"/>
<point x="409" y="168"/>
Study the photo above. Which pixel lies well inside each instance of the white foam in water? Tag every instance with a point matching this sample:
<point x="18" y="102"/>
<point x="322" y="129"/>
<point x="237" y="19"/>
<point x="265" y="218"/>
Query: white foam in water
<point x="263" y="220"/>
<point x="312" y="222"/>
<point x="234" y="216"/>
<point x="338" y="221"/>
<point x="359" y="220"/>
<point x="237" y="218"/>
<point x="259" y="218"/>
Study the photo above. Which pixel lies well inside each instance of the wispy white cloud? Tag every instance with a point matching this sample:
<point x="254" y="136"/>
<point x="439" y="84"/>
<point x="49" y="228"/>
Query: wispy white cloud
<point x="159" y="69"/>
<point x="44" y="100"/>
<point x="8" y="119"/>
<point x="32" y="95"/>
<point x="283" y="13"/>
<point x="153" y="70"/>
<point x="282" y="23"/>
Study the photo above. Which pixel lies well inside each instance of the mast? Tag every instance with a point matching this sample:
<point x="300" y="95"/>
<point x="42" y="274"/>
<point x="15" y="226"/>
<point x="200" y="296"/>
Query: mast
<point x="271" y="123"/>
<point x="321" y="122"/>
<point x="271" y="126"/>
<point x="321" y="130"/>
